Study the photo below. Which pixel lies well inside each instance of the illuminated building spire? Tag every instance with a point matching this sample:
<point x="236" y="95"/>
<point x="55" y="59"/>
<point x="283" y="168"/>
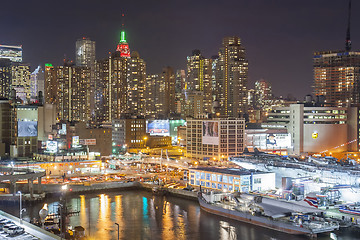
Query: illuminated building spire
<point x="348" y="41"/>
<point x="123" y="46"/>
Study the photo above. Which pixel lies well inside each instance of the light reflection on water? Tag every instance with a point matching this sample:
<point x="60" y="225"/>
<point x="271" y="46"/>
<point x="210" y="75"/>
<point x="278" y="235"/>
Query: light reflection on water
<point x="141" y="215"/>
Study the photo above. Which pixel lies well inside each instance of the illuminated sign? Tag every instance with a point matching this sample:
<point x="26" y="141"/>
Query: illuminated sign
<point x="51" y="146"/>
<point x="269" y="141"/>
<point x="158" y="128"/>
<point x="27" y="128"/>
<point x="314" y="135"/>
<point x="62" y="131"/>
<point x="87" y="141"/>
<point x="75" y="141"/>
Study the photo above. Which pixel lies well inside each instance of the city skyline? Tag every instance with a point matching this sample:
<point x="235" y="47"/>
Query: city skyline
<point x="165" y="34"/>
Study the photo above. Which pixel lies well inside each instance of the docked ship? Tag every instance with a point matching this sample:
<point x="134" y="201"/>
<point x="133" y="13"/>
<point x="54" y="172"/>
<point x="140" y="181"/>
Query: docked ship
<point x="273" y="214"/>
<point x="350" y="209"/>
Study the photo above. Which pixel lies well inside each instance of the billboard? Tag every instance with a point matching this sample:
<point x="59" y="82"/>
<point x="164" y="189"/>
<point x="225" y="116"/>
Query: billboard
<point x="88" y="141"/>
<point x="158" y="128"/>
<point x="269" y="141"/>
<point x="52" y="146"/>
<point x="27" y="128"/>
<point x="62" y="131"/>
<point x="75" y="141"/>
<point x="210" y="132"/>
<point x="278" y="140"/>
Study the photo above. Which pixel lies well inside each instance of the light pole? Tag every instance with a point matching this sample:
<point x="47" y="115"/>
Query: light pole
<point x="21" y="209"/>
<point x="118" y="229"/>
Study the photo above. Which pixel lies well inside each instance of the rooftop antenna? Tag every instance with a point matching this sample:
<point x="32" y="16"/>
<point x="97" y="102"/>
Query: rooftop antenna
<point x="122" y="37"/>
<point x="348" y="41"/>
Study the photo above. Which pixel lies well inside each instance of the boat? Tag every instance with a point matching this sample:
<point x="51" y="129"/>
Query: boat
<point x="272" y="214"/>
<point x="350" y="209"/>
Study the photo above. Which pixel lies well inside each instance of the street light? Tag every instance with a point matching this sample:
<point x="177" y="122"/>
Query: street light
<point x="21" y="210"/>
<point x="118" y="228"/>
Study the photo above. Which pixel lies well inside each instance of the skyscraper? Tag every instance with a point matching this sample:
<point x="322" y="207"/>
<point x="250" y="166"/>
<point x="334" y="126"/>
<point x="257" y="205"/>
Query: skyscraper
<point x="199" y="78"/>
<point x="50" y="87"/>
<point x="168" y="100"/>
<point x="5" y="78"/>
<point x="180" y="83"/>
<point x="13" y="53"/>
<point x="152" y="94"/>
<point x="85" y="57"/>
<point x="337" y="73"/>
<point x="136" y="85"/>
<point x="231" y="77"/>
<point x="111" y="87"/>
<point x="37" y="82"/>
<point x="73" y="92"/>
<point x="85" y="52"/>
<point x="120" y="84"/>
<point x="337" y="76"/>
<point x="20" y="80"/>
<point x="263" y="93"/>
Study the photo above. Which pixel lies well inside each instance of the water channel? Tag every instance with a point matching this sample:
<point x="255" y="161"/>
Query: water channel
<point x="141" y="215"/>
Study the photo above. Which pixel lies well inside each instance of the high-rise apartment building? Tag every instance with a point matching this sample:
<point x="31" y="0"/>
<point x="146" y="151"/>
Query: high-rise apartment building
<point x="160" y="94"/>
<point x="7" y="126"/>
<point x="180" y="83"/>
<point x="5" y="78"/>
<point x="136" y="85"/>
<point x="231" y="77"/>
<point x="152" y="94"/>
<point x="73" y="92"/>
<point x="50" y="87"/>
<point x="37" y="82"/>
<point x="263" y="93"/>
<point x="111" y="88"/>
<point x="20" y="80"/>
<point x="337" y="73"/>
<point x="168" y="96"/>
<point x="337" y="76"/>
<point x="199" y="78"/>
<point x="13" y="53"/>
<point x="85" y="57"/>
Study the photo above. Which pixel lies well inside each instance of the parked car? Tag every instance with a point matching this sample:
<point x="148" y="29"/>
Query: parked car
<point x="16" y="230"/>
<point x="7" y="226"/>
<point x="3" y="223"/>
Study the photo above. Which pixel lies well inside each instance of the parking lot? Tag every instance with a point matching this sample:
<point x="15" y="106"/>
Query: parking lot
<point x="23" y="236"/>
<point x="4" y="235"/>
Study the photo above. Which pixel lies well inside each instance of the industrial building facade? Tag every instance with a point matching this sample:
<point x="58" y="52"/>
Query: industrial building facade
<point x="232" y="179"/>
<point x="318" y="129"/>
<point x="214" y="139"/>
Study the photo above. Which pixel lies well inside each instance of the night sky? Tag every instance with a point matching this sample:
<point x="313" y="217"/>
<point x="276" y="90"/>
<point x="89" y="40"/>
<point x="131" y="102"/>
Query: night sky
<point x="279" y="36"/>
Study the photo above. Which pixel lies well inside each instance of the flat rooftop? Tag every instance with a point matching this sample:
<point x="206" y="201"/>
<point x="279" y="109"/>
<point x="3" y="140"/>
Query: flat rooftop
<point x="230" y="171"/>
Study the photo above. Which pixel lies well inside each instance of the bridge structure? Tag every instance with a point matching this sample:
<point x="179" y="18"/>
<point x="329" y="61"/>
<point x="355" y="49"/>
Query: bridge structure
<point x="11" y="174"/>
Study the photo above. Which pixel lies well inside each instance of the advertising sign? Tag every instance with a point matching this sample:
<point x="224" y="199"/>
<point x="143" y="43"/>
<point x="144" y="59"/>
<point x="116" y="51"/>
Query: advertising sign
<point x="62" y="131"/>
<point x="278" y="140"/>
<point x="51" y="146"/>
<point x="27" y="128"/>
<point x="87" y="141"/>
<point x="75" y="141"/>
<point x="269" y="141"/>
<point x="210" y="132"/>
<point x="158" y="128"/>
